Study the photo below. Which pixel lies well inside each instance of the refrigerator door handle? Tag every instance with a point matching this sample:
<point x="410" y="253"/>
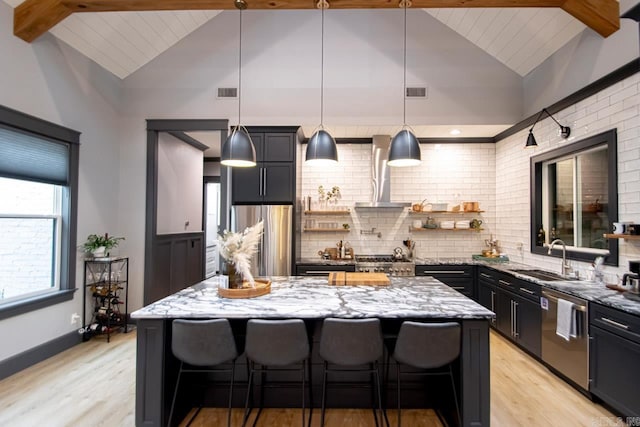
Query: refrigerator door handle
<point x="264" y="182"/>
<point x="260" y="184"/>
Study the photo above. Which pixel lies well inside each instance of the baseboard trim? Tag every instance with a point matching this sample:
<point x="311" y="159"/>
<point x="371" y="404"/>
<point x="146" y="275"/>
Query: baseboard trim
<point x="39" y="353"/>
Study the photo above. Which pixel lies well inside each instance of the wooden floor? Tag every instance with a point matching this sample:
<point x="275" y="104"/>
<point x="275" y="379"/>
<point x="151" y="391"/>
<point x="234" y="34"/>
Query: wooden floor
<point x="93" y="384"/>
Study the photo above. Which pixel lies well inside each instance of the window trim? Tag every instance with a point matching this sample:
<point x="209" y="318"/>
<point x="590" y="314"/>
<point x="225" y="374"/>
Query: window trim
<point x="536" y="163"/>
<point x="24" y="123"/>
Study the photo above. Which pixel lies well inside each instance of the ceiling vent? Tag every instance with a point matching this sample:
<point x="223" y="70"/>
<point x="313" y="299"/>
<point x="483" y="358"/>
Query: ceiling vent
<point x="227" y="92"/>
<point x="416" y="92"/>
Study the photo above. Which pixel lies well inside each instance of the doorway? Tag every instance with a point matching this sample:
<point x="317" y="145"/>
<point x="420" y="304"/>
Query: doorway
<point x="211" y="225"/>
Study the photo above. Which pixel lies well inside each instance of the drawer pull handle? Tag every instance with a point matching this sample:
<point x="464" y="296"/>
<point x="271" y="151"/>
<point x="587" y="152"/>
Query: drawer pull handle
<point x="428" y="272"/>
<point x="318" y="272"/>
<point x="488" y="276"/>
<point x="458" y="288"/>
<point x="614" y="323"/>
<point x="502" y="282"/>
<point x="530" y="292"/>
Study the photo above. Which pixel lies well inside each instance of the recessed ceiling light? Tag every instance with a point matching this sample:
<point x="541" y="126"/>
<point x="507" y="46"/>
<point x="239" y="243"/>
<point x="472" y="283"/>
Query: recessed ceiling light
<point x="455" y="132"/>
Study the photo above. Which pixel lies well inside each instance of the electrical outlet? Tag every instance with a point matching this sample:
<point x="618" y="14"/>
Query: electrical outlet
<point x="74" y="318"/>
<point x="519" y="246"/>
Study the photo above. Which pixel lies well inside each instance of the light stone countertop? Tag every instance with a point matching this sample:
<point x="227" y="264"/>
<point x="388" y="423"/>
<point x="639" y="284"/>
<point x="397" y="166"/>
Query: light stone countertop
<point x="312" y="297"/>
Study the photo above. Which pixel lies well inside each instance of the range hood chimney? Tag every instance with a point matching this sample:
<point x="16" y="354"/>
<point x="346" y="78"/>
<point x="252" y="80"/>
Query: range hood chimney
<point x="380" y="176"/>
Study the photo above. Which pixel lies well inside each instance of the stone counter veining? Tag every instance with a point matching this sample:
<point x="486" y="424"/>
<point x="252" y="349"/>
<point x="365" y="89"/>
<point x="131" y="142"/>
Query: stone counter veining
<point x="311" y="297"/>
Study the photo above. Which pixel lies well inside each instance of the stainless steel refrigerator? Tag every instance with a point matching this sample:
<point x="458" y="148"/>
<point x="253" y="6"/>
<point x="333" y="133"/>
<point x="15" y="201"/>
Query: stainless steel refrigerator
<point x="275" y="252"/>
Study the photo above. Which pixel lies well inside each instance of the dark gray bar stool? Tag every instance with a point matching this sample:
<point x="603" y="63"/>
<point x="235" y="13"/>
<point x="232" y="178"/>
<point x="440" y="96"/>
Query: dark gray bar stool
<point x="202" y="344"/>
<point x="351" y="342"/>
<point x="279" y="344"/>
<point x="427" y="346"/>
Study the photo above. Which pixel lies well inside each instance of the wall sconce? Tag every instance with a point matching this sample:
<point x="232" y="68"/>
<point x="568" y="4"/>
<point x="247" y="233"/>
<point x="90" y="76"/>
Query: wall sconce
<point x="565" y="131"/>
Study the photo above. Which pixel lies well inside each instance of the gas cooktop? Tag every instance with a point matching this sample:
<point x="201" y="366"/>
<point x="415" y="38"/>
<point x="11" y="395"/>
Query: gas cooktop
<point x="385" y="264"/>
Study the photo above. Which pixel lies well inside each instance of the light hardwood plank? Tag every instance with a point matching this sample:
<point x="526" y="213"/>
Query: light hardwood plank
<point x="93" y="384"/>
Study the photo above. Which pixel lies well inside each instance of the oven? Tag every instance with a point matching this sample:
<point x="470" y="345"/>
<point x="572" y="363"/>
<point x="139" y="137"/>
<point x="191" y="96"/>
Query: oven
<point x="385" y="264"/>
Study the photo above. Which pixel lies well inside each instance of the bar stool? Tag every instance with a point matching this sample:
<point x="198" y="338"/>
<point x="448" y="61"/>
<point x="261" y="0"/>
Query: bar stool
<point x="351" y="342"/>
<point x="276" y="343"/>
<point x="427" y="346"/>
<point x="202" y="344"/>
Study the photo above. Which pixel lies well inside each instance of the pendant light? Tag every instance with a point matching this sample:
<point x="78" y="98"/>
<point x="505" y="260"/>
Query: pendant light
<point x="405" y="148"/>
<point x="321" y="148"/>
<point x="238" y="149"/>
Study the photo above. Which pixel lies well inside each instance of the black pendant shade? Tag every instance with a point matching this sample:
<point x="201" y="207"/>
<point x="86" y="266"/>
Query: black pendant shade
<point x="238" y="149"/>
<point x="404" y="150"/>
<point x="321" y="149"/>
<point x="531" y="140"/>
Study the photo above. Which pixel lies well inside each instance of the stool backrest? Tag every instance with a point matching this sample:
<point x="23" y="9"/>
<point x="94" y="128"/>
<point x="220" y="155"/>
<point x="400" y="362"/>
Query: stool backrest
<point x="351" y="341"/>
<point x="276" y="342"/>
<point x="203" y="342"/>
<point x="427" y="345"/>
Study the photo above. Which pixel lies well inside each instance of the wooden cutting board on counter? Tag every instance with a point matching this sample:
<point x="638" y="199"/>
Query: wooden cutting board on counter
<point x="341" y="278"/>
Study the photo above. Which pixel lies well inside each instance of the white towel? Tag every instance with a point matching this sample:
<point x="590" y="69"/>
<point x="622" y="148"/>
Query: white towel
<point x="566" y="324"/>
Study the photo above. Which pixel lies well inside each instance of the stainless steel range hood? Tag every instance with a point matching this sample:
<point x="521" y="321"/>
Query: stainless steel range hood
<point x="380" y="176"/>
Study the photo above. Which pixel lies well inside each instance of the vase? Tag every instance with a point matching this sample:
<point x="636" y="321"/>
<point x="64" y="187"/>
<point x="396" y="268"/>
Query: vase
<point x="98" y="252"/>
<point x="235" y="278"/>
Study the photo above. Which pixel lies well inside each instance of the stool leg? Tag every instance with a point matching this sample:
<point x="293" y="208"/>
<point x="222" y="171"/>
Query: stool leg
<point x="373" y="393"/>
<point x="377" y="376"/>
<point x="324" y="393"/>
<point x="310" y="391"/>
<point x="398" y="385"/>
<point x="455" y="395"/>
<point x="175" y="395"/>
<point x="304" y="374"/>
<point x="249" y="393"/>
<point x="233" y="370"/>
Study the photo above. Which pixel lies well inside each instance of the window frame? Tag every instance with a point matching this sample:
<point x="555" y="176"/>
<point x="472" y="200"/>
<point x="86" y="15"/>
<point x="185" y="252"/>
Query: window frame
<point x="537" y="170"/>
<point x="33" y="126"/>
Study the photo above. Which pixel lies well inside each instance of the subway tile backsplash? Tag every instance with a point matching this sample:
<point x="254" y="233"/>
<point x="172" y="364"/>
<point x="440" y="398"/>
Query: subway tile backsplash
<point x="451" y="173"/>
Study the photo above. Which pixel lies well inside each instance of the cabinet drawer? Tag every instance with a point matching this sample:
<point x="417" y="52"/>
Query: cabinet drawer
<point x="451" y="271"/>
<point x="321" y="269"/>
<point x="487" y="275"/>
<point x="524" y="288"/>
<point x="615" y="321"/>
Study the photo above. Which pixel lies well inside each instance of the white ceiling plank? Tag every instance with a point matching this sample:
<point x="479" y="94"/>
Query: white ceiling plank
<point x="531" y="31"/>
<point x="145" y="32"/>
<point x="186" y="19"/>
<point x="160" y="28"/>
<point x="456" y="19"/>
<point x="502" y="20"/>
<point x="444" y="15"/>
<point x="509" y="31"/>
<point x="572" y="29"/>
<point x="198" y="17"/>
<point x="469" y="21"/>
<point x="122" y="21"/>
<point x="62" y="32"/>
<point x="482" y="24"/>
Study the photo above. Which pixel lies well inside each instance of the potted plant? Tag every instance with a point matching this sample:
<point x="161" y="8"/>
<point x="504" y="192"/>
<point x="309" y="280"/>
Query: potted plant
<point x="100" y="245"/>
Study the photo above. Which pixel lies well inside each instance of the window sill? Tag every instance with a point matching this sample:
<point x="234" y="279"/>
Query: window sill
<point x="35" y="303"/>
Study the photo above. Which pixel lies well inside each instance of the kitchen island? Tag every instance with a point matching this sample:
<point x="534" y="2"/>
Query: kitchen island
<point x="310" y="298"/>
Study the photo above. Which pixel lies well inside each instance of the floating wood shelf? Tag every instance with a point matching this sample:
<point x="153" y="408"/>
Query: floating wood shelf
<point x="412" y="229"/>
<point x="342" y="212"/>
<point x="411" y="212"/>
<point x="326" y="230"/>
<point x="622" y="236"/>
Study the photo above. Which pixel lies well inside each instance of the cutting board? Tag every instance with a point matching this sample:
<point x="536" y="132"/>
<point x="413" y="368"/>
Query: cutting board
<point x="341" y="278"/>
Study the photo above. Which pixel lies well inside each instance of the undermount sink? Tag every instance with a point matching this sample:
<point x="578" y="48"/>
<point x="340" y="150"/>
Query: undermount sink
<point x="542" y="275"/>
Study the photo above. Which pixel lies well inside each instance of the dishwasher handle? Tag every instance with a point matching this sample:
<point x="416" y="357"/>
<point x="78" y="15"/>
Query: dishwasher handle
<point x="577" y="307"/>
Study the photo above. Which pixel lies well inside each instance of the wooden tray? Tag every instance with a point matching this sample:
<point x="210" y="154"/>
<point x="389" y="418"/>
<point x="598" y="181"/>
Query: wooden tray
<point x="341" y="278"/>
<point x="263" y="287"/>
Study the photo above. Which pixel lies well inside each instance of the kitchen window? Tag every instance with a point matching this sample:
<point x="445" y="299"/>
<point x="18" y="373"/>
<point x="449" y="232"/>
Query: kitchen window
<point x="574" y="198"/>
<point x="38" y="187"/>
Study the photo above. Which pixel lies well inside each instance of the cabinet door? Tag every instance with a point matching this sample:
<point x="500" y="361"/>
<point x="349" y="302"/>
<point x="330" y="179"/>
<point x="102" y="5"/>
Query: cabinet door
<point x="258" y="143"/>
<point x="246" y="185"/>
<point x="528" y="323"/>
<point x="194" y="260"/>
<point x="487" y="297"/>
<point x="503" y="312"/>
<point x="278" y="182"/>
<point x="615" y="371"/>
<point x="278" y="147"/>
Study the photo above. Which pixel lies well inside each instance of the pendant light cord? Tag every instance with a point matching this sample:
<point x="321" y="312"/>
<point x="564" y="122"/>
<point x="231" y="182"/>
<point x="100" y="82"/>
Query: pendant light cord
<point x="322" y="69"/>
<point x="404" y="81"/>
<point x="240" y="71"/>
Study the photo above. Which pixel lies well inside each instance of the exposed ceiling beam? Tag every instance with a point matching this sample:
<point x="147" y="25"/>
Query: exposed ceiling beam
<point x="33" y="18"/>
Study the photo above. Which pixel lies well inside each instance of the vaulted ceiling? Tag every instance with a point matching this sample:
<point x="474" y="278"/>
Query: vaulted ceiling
<point x="124" y="40"/>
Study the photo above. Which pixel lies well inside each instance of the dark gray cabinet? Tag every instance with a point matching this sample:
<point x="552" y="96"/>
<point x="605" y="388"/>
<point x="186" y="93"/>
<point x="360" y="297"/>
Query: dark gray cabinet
<point x="321" y="269"/>
<point x="459" y="277"/>
<point x="614" y="358"/>
<point x="271" y="181"/>
<point x="517" y="306"/>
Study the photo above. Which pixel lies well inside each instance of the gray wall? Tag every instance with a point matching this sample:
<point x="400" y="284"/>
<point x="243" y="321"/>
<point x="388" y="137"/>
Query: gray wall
<point x="49" y="80"/>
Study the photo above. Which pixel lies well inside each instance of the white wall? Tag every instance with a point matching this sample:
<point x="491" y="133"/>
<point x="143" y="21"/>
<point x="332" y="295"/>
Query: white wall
<point x="449" y="173"/>
<point x="615" y="107"/>
<point x="180" y="172"/>
<point x="49" y="80"/>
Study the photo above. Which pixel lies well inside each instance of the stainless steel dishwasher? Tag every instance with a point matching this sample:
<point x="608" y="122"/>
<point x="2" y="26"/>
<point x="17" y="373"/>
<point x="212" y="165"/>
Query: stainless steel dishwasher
<point x="569" y="358"/>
